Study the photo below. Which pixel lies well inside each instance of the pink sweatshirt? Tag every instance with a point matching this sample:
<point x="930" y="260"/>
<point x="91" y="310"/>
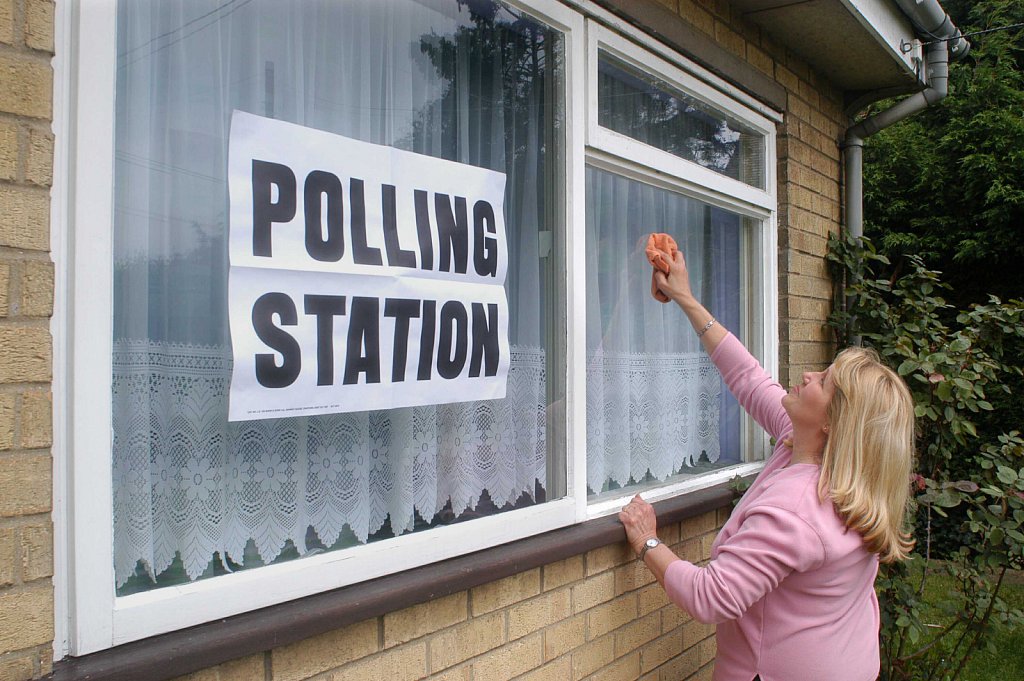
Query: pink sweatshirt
<point x="790" y="587"/>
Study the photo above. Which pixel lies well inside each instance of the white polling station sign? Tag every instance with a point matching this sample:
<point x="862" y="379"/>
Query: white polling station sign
<point x="361" y="276"/>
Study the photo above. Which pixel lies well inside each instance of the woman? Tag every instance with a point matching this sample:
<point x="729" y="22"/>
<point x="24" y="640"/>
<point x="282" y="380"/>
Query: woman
<point x="791" y="577"/>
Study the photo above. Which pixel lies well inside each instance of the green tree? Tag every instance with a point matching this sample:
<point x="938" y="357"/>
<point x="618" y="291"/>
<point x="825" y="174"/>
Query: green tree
<point x="948" y="183"/>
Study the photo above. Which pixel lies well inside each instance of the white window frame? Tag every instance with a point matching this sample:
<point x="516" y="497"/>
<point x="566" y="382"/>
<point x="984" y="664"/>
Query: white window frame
<point x="623" y="155"/>
<point x="89" y="616"/>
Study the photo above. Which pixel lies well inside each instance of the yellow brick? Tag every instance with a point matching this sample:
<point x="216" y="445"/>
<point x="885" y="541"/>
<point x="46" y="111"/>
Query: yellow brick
<point x="17" y="668"/>
<point x="39" y="163"/>
<point x="669" y="533"/>
<point x="405" y="663"/>
<point x="25" y="485"/>
<point x="673" y="617"/>
<point x="510" y="660"/>
<point x="706" y="543"/>
<point x="707" y="649"/>
<point x="610" y="616"/>
<point x="245" y="669"/>
<point x="607" y="557"/>
<point x="27" y="86"/>
<point x="698" y="16"/>
<point x="425" y="618"/>
<point x="625" y="669"/>
<point x="36" y="552"/>
<point x="637" y="633"/>
<point x="26" y="355"/>
<point x="657" y="653"/>
<point x="26" y="617"/>
<point x="706" y="673"/>
<point x="6" y="36"/>
<point x="787" y="79"/>
<point x="559" y="670"/>
<point x="680" y="666"/>
<point x="563" y="572"/>
<point x="36" y="420"/>
<point x="8" y="149"/>
<point x="593" y="591"/>
<point x="7" y="401"/>
<point x="459" y="643"/>
<point x="39" y="25"/>
<point x="562" y="637"/>
<point x="694" y="632"/>
<point x="730" y="39"/>
<point x="504" y="592"/>
<point x="651" y="598"/>
<point x="690" y="550"/>
<point x="37" y="289"/>
<point x="589" y="658"/>
<point x="327" y="651"/>
<point x="671" y="4"/>
<point x="5" y="283"/>
<point x="632" y="576"/>
<point x="698" y="525"/>
<point x="537" y="613"/>
<point x="8" y="555"/>
<point x="24" y="217"/>
<point x="462" y="673"/>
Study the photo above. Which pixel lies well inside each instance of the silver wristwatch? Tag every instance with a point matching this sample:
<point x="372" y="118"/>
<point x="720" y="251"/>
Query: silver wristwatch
<point x="648" y="545"/>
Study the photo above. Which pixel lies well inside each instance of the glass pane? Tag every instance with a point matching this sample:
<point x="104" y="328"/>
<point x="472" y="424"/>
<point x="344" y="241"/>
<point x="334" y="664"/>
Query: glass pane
<point x="656" y="406"/>
<point x="197" y="496"/>
<point x="636" y="104"/>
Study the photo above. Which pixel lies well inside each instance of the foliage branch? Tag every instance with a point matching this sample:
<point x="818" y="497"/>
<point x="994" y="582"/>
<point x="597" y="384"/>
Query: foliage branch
<point x="952" y="360"/>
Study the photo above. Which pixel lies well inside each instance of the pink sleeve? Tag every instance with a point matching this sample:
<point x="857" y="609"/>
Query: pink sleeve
<point x="771" y="543"/>
<point x="757" y="392"/>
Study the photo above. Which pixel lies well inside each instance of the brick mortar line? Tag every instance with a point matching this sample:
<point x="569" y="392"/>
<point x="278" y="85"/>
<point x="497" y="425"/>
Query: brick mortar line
<point x="22" y="50"/>
<point x="11" y="255"/>
<point x="40" y="519"/>
<point x="26" y="186"/>
<point x="22" y="388"/>
<point x="26" y="453"/>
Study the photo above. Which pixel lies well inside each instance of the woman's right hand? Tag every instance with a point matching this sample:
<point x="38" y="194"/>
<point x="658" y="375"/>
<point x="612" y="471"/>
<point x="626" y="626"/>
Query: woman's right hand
<point x="675" y="284"/>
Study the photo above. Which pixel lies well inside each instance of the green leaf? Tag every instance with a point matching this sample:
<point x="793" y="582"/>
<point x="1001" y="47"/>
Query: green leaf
<point x="944" y="391"/>
<point x="1006" y="475"/>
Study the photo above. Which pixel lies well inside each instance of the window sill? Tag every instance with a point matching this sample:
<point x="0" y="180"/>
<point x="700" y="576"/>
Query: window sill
<point x="182" y="652"/>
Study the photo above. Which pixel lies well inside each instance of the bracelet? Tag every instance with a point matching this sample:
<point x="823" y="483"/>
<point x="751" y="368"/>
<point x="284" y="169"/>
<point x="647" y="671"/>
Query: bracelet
<point x="706" y="327"/>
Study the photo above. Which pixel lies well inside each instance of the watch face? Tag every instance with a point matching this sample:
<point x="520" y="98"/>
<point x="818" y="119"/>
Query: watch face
<point x="651" y="543"/>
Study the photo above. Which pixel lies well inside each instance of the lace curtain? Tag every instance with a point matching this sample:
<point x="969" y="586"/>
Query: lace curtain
<point x="655" y="402"/>
<point x="432" y="77"/>
<point x="196" y="495"/>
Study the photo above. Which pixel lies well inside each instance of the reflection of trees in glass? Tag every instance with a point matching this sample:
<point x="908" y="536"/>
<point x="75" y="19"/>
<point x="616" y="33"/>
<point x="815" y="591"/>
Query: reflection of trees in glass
<point x="671" y="121"/>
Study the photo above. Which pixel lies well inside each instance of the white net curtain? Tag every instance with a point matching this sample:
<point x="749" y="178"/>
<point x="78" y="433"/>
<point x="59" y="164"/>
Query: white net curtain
<point x="196" y="495"/>
<point x="473" y="82"/>
<point x="655" y="402"/>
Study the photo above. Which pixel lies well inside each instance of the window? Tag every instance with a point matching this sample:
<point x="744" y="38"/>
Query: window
<point x="663" y="158"/>
<point x="166" y="492"/>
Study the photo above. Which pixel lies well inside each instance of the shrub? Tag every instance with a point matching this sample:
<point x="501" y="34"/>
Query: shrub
<point x="952" y="360"/>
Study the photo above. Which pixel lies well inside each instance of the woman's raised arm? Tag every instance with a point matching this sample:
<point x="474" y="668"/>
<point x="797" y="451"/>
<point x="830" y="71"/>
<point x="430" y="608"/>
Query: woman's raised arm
<point x="676" y="285"/>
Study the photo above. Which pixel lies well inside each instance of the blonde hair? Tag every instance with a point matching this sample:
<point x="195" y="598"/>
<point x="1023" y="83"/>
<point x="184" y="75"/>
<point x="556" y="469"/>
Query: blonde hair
<point x="868" y="457"/>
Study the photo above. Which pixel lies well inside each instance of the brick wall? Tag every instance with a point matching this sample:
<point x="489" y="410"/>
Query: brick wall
<point x="594" y="616"/>
<point x="598" y="616"/>
<point x="26" y="295"/>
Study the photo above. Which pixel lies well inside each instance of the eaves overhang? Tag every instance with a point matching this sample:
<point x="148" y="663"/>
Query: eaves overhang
<point x="858" y="45"/>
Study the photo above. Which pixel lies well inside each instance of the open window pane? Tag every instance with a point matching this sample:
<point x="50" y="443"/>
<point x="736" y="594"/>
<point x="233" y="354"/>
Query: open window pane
<point x="195" y="495"/>
<point x="656" y="406"/>
<point x="645" y="108"/>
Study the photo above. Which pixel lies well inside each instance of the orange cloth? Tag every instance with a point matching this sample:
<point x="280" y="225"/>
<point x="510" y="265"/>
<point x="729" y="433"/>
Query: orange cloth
<point x="657" y="244"/>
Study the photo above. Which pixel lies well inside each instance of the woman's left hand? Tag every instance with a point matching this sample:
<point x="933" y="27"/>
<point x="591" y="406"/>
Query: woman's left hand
<point x="640" y="522"/>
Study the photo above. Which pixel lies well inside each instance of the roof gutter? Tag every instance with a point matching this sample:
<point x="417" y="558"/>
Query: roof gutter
<point x="932" y="22"/>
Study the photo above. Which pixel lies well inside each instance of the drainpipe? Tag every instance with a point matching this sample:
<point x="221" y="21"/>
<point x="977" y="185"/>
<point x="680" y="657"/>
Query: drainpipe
<point x="932" y="21"/>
